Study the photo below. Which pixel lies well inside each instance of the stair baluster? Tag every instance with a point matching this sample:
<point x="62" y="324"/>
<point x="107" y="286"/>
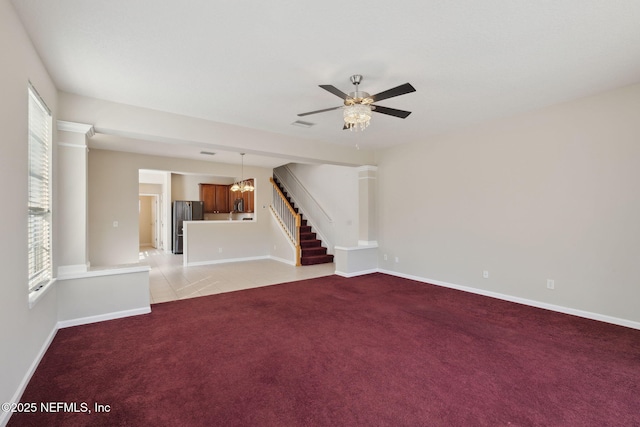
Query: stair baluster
<point x="288" y="218"/>
<point x="309" y="249"/>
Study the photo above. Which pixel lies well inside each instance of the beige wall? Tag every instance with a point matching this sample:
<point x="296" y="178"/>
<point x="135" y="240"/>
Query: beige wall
<point x="552" y="194"/>
<point x="150" y="188"/>
<point x="25" y="332"/>
<point x="144" y="223"/>
<point x="281" y="246"/>
<point x="335" y="188"/>
<point x="113" y="196"/>
<point x="113" y="293"/>
<point x="185" y="187"/>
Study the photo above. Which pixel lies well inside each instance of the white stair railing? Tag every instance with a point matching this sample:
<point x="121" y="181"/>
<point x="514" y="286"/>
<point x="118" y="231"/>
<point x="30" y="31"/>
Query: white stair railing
<point x="288" y="218"/>
<point x="315" y="215"/>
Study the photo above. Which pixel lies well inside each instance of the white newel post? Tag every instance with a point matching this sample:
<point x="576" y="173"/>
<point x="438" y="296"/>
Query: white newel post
<point x="72" y="198"/>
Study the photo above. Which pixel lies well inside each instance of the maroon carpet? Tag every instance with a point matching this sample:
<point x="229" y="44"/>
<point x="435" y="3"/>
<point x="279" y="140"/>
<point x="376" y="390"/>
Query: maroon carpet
<point x="369" y="351"/>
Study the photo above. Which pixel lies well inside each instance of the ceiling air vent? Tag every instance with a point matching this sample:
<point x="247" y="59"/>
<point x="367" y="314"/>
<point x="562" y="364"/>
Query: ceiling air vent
<point x="302" y="124"/>
<point x="208" y="153"/>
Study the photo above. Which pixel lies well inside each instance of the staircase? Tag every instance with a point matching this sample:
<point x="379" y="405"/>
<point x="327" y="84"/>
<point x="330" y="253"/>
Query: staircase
<point x="312" y="250"/>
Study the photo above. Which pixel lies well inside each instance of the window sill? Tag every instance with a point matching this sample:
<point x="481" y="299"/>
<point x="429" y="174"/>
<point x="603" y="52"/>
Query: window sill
<point x="35" y="296"/>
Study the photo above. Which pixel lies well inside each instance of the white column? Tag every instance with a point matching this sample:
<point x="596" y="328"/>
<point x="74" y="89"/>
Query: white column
<point x="367" y="221"/>
<point x="71" y="211"/>
<point x="362" y="259"/>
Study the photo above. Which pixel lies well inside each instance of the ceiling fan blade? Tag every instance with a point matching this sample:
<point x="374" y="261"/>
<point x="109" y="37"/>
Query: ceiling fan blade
<point x="318" y="111"/>
<point x="396" y="91"/>
<point x="334" y="90"/>
<point x="391" y="111"/>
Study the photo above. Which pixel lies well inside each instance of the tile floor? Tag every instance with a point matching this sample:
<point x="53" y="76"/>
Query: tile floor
<point x="169" y="280"/>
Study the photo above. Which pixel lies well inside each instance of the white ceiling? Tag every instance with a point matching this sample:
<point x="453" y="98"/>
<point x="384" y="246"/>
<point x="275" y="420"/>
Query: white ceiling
<point x="258" y="64"/>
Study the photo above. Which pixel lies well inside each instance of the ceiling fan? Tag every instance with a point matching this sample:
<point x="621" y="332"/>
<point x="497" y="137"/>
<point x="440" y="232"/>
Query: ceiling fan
<point x="359" y="105"/>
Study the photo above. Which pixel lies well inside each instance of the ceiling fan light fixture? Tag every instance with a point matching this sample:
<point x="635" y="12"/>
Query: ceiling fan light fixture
<point x="357" y="116"/>
<point x="358" y="105"/>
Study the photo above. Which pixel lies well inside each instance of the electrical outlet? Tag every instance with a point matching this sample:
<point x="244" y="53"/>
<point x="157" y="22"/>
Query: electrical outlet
<point x="385" y="257"/>
<point x="115" y="224"/>
<point x="397" y="259"/>
<point x="485" y="274"/>
<point x="219" y="250"/>
<point x="551" y="284"/>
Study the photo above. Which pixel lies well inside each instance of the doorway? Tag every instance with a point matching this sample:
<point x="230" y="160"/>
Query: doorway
<point x="149" y="223"/>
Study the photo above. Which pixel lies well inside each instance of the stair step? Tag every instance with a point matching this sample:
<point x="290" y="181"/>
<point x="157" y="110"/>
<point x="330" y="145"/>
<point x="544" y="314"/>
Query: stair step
<point x="318" y="259"/>
<point x="310" y="243"/>
<point x="307" y="252"/>
<point x="312" y="250"/>
<point x="307" y="236"/>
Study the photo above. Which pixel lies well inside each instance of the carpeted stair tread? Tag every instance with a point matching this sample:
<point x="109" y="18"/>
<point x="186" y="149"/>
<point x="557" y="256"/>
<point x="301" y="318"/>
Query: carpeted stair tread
<point x="316" y="259"/>
<point x="318" y="250"/>
<point x="310" y="243"/>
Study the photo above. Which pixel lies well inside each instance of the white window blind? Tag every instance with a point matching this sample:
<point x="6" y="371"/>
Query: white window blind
<point x="39" y="222"/>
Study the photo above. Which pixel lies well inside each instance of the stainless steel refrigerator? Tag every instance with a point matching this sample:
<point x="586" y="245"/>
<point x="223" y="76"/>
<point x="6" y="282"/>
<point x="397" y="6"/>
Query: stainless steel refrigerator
<point x="184" y="210"/>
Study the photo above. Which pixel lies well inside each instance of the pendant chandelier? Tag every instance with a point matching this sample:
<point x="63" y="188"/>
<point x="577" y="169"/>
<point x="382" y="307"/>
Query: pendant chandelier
<point x="242" y="185"/>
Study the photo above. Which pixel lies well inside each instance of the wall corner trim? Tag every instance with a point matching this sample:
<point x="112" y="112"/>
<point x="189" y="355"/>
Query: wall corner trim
<point x="83" y="128"/>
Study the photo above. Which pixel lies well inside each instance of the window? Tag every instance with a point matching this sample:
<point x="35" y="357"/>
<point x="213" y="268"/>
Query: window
<point x="39" y="222"/>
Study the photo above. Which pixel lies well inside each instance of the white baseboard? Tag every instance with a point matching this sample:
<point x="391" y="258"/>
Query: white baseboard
<point x="226" y="260"/>
<point x="4" y="416"/>
<point x="102" y="317"/>
<point x="285" y="261"/>
<point x="525" y="301"/>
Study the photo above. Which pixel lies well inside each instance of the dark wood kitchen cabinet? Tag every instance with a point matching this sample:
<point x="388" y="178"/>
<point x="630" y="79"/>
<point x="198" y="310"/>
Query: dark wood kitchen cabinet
<point x="215" y="198"/>
<point x="222" y="199"/>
